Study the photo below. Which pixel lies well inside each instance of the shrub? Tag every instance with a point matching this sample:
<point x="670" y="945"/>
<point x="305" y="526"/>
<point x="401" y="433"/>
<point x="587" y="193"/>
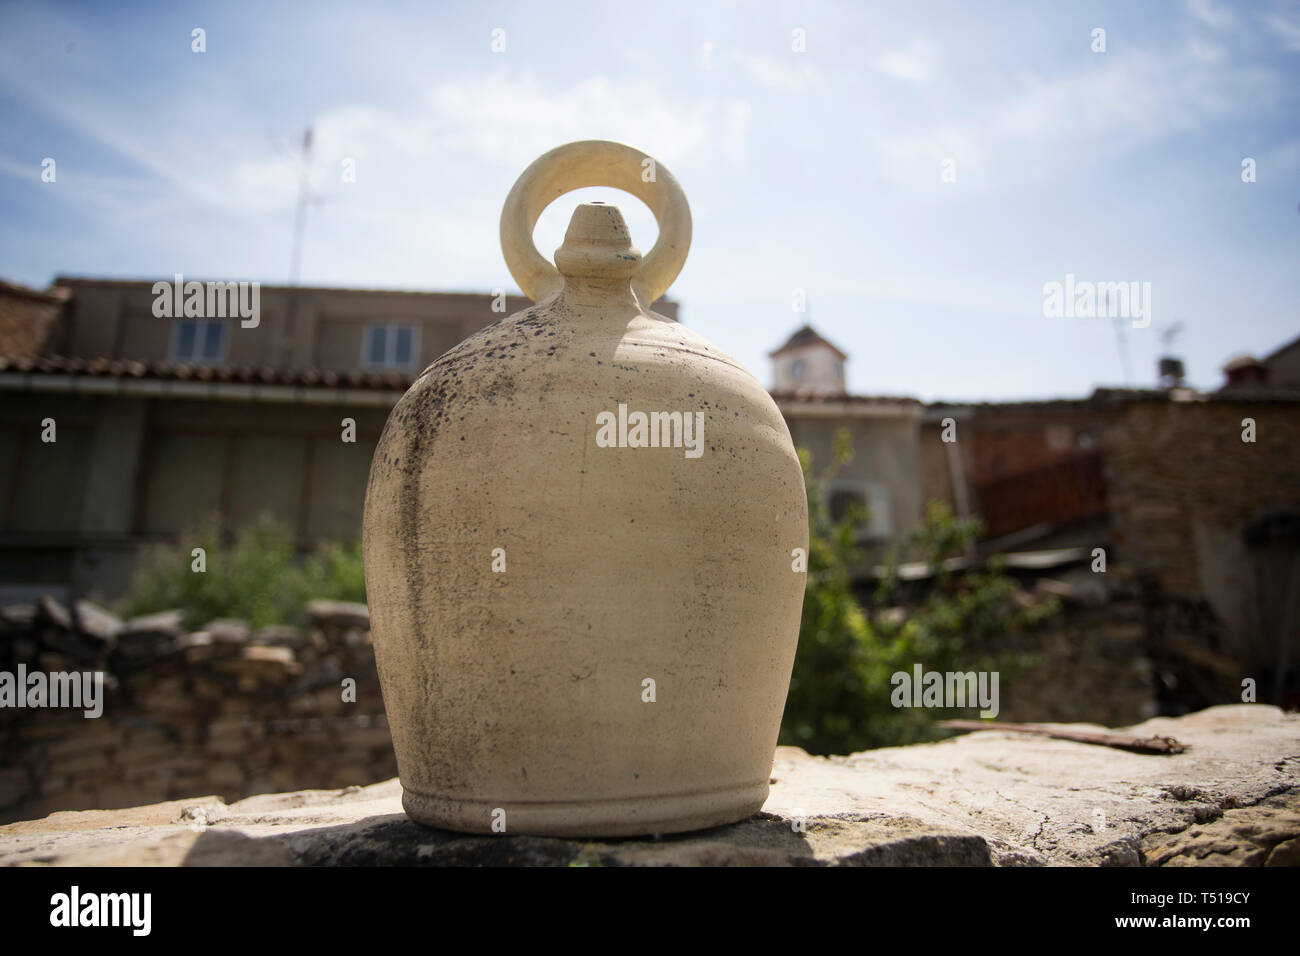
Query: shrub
<point x="259" y="578"/>
<point x="839" y="699"/>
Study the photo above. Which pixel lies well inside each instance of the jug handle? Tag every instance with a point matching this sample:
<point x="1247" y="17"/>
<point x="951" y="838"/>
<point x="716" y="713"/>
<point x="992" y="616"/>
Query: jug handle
<point x="595" y="162"/>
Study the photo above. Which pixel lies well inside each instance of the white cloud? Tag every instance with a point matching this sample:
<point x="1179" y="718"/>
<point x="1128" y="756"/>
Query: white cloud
<point x="914" y="63"/>
<point x="789" y="74"/>
<point x="1200" y="49"/>
<point x="1215" y="17"/>
<point x="1286" y="29"/>
<point x="1042" y="126"/>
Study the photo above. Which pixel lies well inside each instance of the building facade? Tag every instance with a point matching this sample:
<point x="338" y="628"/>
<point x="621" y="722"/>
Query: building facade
<point x="120" y="426"/>
<point x="883" y="433"/>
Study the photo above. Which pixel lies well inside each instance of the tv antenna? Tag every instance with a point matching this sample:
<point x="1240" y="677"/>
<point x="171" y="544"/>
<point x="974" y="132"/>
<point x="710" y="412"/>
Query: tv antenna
<point x="1121" y="340"/>
<point x="305" y="196"/>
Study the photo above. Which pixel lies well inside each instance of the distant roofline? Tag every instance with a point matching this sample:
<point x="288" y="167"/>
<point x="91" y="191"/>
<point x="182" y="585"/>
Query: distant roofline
<point x="815" y="395"/>
<point x="51" y="296"/>
<point x="1282" y="348"/>
<point x="806" y="337"/>
<point x="266" y="286"/>
<point x="60" y="373"/>
<point x="1103" y="398"/>
<point x="270" y="287"/>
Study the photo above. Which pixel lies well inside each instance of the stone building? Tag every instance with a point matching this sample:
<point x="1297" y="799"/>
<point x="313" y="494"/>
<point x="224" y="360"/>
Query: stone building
<point x="1195" y="496"/>
<point x="28" y="319"/>
<point x="163" y="422"/>
<point x="163" y="419"/>
<point x="809" y="389"/>
<point x="1031" y="470"/>
<point x="1280" y="370"/>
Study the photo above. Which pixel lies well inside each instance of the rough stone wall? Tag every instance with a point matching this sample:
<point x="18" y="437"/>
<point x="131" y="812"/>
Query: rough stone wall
<point x="218" y="711"/>
<point x="1182" y="485"/>
<point x="1090" y="664"/>
<point x="1182" y="488"/>
<point x="989" y="798"/>
<point x="1176" y="470"/>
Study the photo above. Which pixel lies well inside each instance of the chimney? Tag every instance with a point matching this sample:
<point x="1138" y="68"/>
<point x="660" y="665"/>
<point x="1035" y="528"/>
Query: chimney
<point x="1245" y="371"/>
<point x="1170" y="372"/>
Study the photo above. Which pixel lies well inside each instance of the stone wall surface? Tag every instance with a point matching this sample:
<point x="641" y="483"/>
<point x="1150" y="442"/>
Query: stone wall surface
<point x="231" y="712"/>
<point x="1208" y="518"/>
<point x="1177" y="472"/>
<point x="220" y="711"/>
<point x="992" y="798"/>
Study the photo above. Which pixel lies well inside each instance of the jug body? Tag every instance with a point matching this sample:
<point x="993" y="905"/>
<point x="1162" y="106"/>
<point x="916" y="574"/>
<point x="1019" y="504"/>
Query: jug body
<point x="577" y="538"/>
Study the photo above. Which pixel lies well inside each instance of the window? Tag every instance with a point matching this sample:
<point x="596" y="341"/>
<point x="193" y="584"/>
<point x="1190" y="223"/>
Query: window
<point x="873" y="498"/>
<point x="390" y="346"/>
<point x="842" y="500"/>
<point x="199" y="341"/>
<point x="880" y="524"/>
<point x="798" y="368"/>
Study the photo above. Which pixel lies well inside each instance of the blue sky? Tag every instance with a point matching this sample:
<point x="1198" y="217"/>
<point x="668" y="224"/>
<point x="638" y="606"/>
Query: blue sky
<point x="817" y="170"/>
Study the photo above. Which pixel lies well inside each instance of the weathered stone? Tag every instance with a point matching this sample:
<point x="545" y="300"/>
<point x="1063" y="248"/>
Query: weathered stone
<point x="197" y="647"/>
<point x="147" y="636"/>
<point x="228" y="631"/>
<point x="282" y="656"/>
<point x="279" y="635"/>
<point x="51" y="612"/>
<point x="1249" y="836"/>
<point x="96" y="622"/>
<point x="989" y="798"/>
<point x="17" y="617"/>
<point x="338" y="615"/>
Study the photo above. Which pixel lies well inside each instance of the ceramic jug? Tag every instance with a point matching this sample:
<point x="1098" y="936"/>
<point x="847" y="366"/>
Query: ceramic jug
<point x="579" y="541"/>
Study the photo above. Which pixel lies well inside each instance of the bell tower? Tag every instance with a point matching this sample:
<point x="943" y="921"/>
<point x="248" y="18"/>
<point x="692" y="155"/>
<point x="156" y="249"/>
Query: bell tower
<point x="808" y="362"/>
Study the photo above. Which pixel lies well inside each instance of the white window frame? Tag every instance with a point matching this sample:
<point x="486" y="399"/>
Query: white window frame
<point x="390" y="346"/>
<point x="879" y="504"/>
<point x="173" y="350"/>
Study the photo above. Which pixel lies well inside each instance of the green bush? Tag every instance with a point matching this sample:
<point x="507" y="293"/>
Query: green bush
<point x="839" y="699"/>
<point x="258" y="579"/>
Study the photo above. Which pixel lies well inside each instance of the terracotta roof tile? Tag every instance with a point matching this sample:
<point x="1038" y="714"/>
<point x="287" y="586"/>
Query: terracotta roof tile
<point x="804" y="337"/>
<point x="175" y="371"/>
<point x="838" y="398"/>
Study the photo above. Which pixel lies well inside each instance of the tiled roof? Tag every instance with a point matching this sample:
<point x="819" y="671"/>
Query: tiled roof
<point x="220" y="374"/>
<point x="1104" y="398"/>
<point x="832" y="398"/>
<point x="804" y="337"/>
<point x="28" y="318"/>
<point x="70" y="284"/>
<point x="1294" y="343"/>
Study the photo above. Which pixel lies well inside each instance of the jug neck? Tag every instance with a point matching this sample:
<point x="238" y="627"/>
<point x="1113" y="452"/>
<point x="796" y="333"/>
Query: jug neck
<point x="597" y="259"/>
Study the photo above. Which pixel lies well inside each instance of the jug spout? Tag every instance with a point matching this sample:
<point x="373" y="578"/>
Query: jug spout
<point x="597" y="246"/>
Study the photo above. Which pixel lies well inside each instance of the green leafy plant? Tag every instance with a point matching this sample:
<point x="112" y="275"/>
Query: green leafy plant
<point x="259" y="578"/>
<point x="839" y="699"/>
